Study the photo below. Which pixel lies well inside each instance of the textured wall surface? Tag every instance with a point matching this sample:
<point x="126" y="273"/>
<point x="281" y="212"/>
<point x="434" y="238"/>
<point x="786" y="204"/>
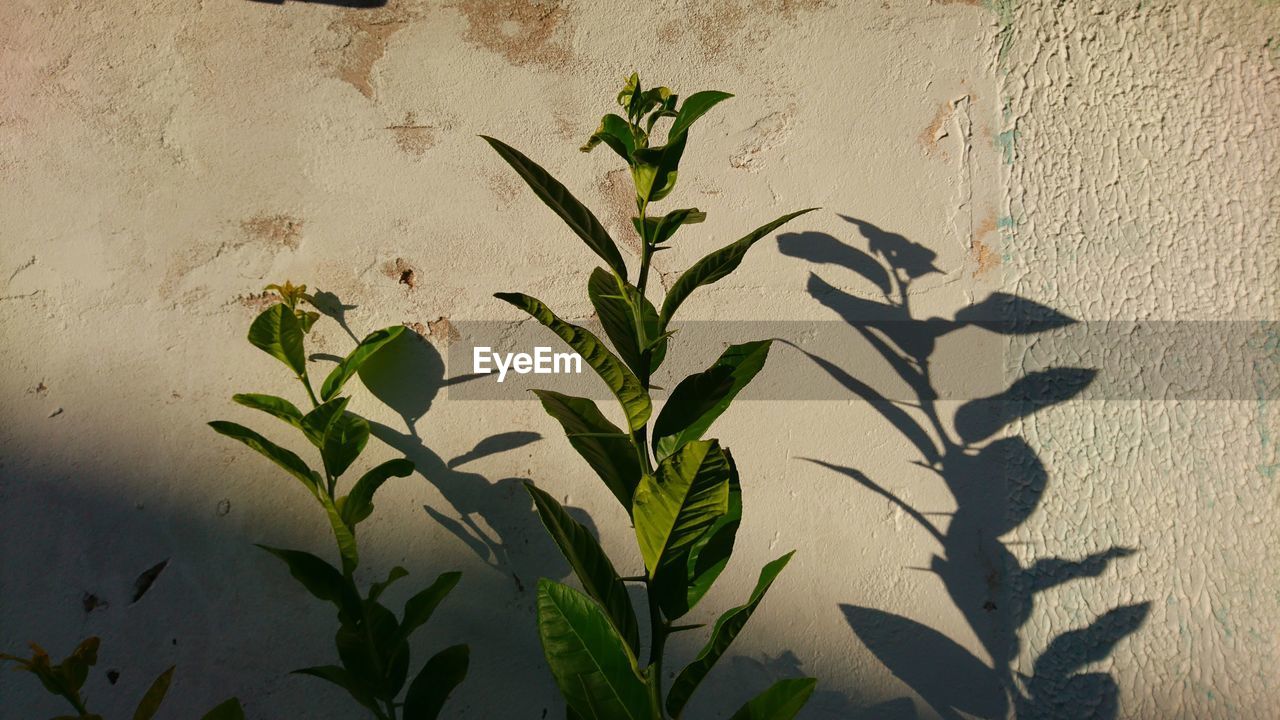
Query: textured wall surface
<point x="163" y="161"/>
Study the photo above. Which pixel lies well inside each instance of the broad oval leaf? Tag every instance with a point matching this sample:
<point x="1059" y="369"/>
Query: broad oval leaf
<point x="438" y="677"/>
<point x="376" y="589"/>
<point x="717" y="265"/>
<point x="344" y="440"/>
<point x="694" y="107"/>
<point x="419" y="608"/>
<point x="286" y="459"/>
<point x="276" y="332"/>
<point x="358" y="504"/>
<point x="605" y="447"/>
<point x="656" y="169"/>
<point x="271" y="405"/>
<point x="722" y="635"/>
<point x="557" y="197"/>
<point x="617" y="308"/>
<point x="367" y="645"/>
<point x="679" y="585"/>
<point x="150" y="703"/>
<point x="319" y="577"/>
<point x="615" y="132"/>
<point x="590" y="564"/>
<point x="673" y="507"/>
<point x="782" y="701"/>
<point x="617" y="376"/>
<point x="316" y="422"/>
<point x="351" y="363"/>
<point x="593" y="666"/>
<point x="701" y="398"/>
<point x="659" y="230"/>
<point x="228" y="709"/>
<point x="339" y="676"/>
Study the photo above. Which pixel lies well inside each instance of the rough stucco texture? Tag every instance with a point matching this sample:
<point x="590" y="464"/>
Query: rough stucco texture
<point x="162" y="161"/>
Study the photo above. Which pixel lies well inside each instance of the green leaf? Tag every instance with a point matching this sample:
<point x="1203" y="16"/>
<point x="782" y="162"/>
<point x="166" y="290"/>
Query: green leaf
<point x="615" y="132"/>
<point x="316" y="423"/>
<point x="342" y="533"/>
<point x="358" y="504"/>
<point x="376" y="589"/>
<point x="319" y="577"/>
<point x="150" y="703"/>
<point x="229" y="709"/>
<point x="419" y="608"/>
<point x="726" y="629"/>
<point x="284" y="458"/>
<point x="694" y="107"/>
<point x="656" y="169"/>
<point x="625" y="385"/>
<point x="590" y="564"/>
<point x="557" y="197"/>
<point x="367" y="643"/>
<point x="614" y="306"/>
<point x="687" y="495"/>
<point x="593" y="666"/>
<point x="272" y="405"/>
<point x="438" y="677"/>
<point x="701" y="398"/>
<point x="276" y="332"/>
<point x="605" y="447"/>
<point x="716" y="266"/>
<point x="782" y="701"/>
<point x="339" y="676"/>
<point x="351" y="363"/>
<point x="680" y="584"/>
<point x="343" y="442"/>
<point x="659" y="230"/>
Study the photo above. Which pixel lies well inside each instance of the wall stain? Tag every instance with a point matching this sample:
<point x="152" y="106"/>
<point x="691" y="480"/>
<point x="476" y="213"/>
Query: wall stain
<point x="401" y="271"/>
<point x="367" y="33"/>
<point x="937" y="129"/>
<point x="724" y="26"/>
<point x="767" y="133"/>
<point x="411" y="137"/>
<point x="525" y="32"/>
<point x="284" y="230"/>
<point x="441" y="330"/>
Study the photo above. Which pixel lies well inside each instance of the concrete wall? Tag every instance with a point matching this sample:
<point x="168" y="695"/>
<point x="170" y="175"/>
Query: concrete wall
<point x="162" y="161"/>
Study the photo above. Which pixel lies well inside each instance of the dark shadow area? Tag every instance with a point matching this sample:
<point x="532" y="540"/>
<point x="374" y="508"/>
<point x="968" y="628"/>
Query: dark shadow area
<point x="996" y="483"/>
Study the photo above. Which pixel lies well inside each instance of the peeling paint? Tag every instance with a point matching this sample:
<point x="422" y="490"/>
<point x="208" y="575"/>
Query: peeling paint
<point x="524" y="32"/>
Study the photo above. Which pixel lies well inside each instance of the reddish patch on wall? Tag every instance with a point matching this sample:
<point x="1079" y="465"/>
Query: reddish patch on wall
<point x="402" y="272"/>
<point x="525" y="32"/>
<point x="619" y="193"/>
<point x="984" y="256"/>
<point x="412" y="137"/>
<point x="367" y="33"/>
<point x="284" y="230"/>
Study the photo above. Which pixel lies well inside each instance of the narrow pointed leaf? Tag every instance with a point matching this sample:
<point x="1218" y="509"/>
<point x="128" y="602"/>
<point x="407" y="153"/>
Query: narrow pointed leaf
<point x="351" y="363"/>
<point x="694" y="107"/>
<point x="659" y="230"/>
<point x="438" y="677"/>
<point x="717" y="265"/>
<point x="419" y="608"/>
<point x="358" y="504"/>
<point x="280" y="456"/>
<point x="699" y="399"/>
<point x="339" y="676"/>
<point x="722" y="635"/>
<point x="376" y="589"/>
<point x="229" y="709"/>
<point x="150" y="703"/>
<point x="689" y="492"/>
<point x="617" y="376"/>
<point x="272" y="405"/>
<point x="276" y="332"/>
<point x="590" y="564"/>
<point x="593" y="666"/>
<point x="557" y="197"/>
<point x="342" y="533"/>
<point x="614" y="306"/>
<point x="319" y="577"/>
<point x="782" y="701"/>
<point x="606" y="448"/>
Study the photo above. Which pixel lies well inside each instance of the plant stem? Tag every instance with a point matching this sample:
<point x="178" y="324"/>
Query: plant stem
<point x="306" y="382"/>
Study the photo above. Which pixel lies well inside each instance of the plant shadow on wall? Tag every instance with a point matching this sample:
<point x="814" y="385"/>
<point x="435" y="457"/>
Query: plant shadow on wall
<point x="492" y="518"/>
<point x="996" y="484"/>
